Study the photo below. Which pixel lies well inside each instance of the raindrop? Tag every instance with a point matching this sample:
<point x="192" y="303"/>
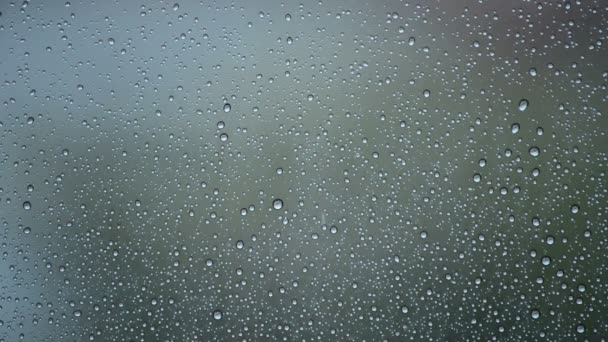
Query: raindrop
<point x="534" y="151"/>
<point x="523" y="105"/>
<point x="277" y="204"/>
<point x="477" y="178"/>
<point x="535" y="314"/>
<point x="514" y="128"/>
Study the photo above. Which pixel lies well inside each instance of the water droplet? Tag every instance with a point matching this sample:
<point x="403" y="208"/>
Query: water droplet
<point x="277" y="204"/>
<point x="534" y="151"/>
<point x="477" y="178"/>
<point x="540" y="131"/>
<point x="217" y="314"/>
<point x="27" y="205"/>
<point x="227" y="107"/>
<point x="574" y="208"/>
<point x="523" y="105"/>
<point x="514" y="128"/>
<point x="535" y="314"/>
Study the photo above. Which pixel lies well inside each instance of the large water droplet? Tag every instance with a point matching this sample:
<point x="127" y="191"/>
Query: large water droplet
<point x="523" y="105"/>
<point x="534" y="151"/>
<point x="277" y="203"/>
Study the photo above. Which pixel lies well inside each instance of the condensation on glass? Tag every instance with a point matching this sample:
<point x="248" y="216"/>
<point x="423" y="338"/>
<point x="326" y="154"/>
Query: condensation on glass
<point x="299" y="171"/>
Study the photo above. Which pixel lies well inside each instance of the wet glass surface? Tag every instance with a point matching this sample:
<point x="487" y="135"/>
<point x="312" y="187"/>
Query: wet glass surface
<point x="299" y="171"/>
